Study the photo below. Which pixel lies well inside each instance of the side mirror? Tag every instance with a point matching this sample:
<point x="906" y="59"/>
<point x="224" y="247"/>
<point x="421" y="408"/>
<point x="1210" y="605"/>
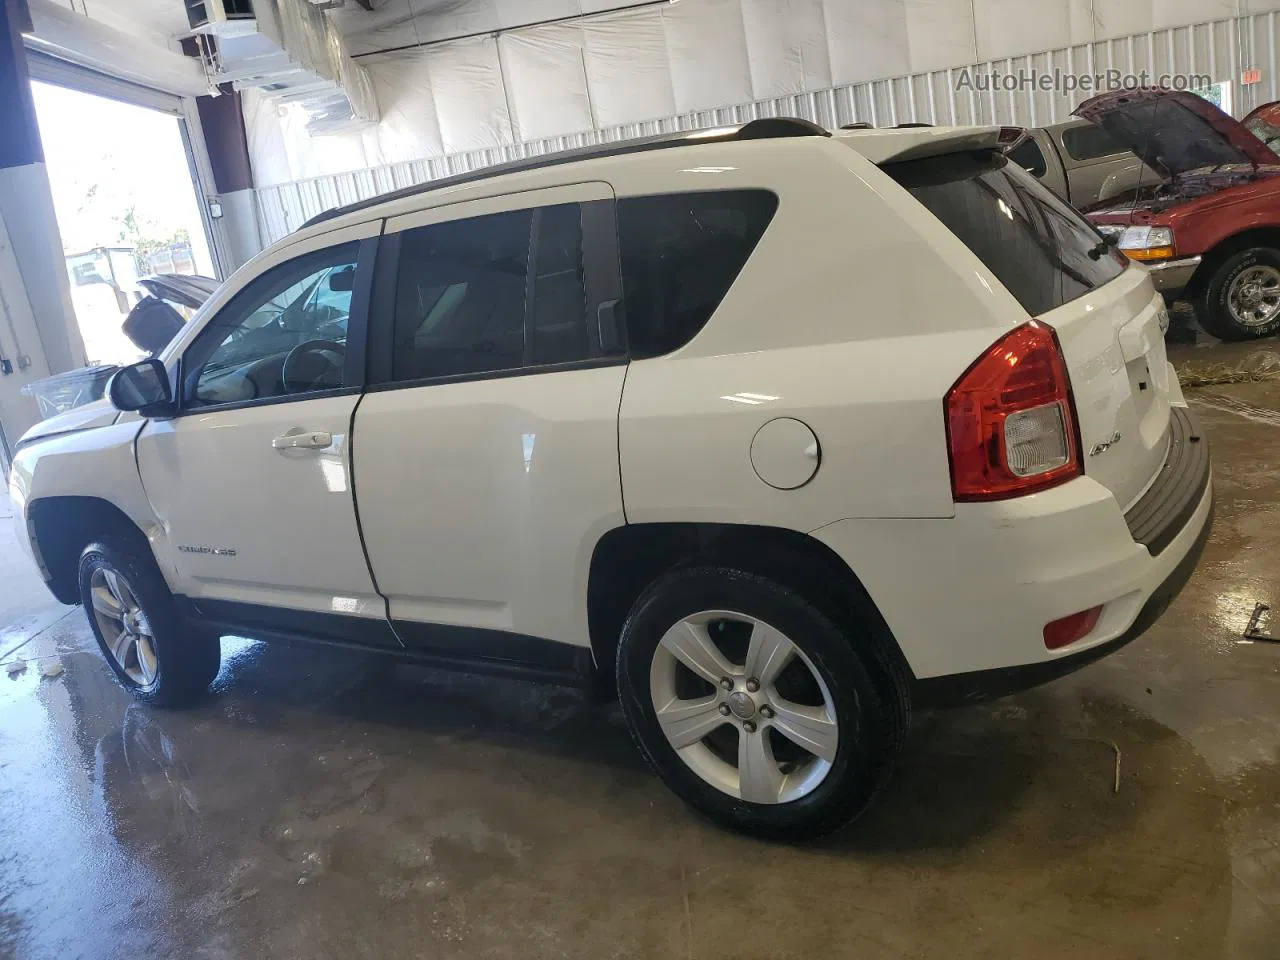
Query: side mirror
<point x="142" y="386"/>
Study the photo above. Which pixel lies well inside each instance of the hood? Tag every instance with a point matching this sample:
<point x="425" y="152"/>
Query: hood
<point x="1174" y="131"/>
<point x="188" y="290"/>
<point x="98" y="413"/>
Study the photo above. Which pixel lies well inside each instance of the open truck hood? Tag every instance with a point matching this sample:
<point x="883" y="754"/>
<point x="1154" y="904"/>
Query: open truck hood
<point x="1175" y="131"/>
<point x="189" y="290"/>
<point x="153" y="322"/>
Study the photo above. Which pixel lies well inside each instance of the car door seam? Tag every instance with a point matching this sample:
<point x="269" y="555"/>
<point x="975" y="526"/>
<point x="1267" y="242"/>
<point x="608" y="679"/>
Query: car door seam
<point x="355" y="510"/>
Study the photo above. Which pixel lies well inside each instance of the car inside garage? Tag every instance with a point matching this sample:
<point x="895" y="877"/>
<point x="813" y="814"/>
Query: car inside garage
<point x="639" y="479"/>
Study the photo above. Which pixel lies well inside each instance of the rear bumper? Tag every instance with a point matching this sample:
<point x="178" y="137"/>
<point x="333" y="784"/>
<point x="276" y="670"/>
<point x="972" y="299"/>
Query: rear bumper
<point x="1172" y="276"/>
<point x="967" y="598"/>
<point x="983" y="685"/>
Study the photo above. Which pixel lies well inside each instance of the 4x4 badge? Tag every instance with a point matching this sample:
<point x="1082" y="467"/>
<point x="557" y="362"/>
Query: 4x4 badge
<point x="1103" y="446"/>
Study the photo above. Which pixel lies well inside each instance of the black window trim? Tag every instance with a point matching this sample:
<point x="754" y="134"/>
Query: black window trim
<point x="602" y="280"/>
<point x="355" y="367"/>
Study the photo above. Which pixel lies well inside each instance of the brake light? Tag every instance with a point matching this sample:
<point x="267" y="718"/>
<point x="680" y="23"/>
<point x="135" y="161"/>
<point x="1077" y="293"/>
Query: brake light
<point x="1011" y="426"/>
<point x="1008" y="136"/>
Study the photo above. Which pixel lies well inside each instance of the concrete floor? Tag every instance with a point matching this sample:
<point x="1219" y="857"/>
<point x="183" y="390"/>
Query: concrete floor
<point x="326" y="805"/>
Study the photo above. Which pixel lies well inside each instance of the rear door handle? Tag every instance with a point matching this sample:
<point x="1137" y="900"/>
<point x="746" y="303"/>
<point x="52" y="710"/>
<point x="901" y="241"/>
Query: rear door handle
<point x="303" y="440"/>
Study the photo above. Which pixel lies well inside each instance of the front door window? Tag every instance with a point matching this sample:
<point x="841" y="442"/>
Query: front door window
<point x="284" y="334"/>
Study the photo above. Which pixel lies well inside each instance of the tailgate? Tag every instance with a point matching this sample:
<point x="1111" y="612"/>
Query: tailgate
<point x="1108" y="317"/>
<point x="1113" y="342"/>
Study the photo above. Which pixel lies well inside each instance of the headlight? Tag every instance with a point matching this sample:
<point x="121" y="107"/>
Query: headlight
<point x="1147" y="243"/>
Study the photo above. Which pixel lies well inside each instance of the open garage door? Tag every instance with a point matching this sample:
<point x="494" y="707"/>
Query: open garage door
<point x="125" y="191"/>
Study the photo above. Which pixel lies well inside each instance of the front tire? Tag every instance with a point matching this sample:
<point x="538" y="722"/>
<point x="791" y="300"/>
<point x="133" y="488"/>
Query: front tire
<point x="754" y="706"/>
<point x="138" y="628"/>
<point x="1242" y="298"/>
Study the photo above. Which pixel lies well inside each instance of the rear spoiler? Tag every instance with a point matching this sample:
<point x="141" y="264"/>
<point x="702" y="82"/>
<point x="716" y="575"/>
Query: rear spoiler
<point x="915" y="143"/>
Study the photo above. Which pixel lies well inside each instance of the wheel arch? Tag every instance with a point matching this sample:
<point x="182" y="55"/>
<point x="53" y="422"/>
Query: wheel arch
<point x="60" y="527"/>
<point x="627" y="559"/>
<point x="1258" y="236"/>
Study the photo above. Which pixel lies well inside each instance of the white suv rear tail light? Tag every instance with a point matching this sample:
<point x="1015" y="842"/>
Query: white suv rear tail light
<point x="1011" y="427"/>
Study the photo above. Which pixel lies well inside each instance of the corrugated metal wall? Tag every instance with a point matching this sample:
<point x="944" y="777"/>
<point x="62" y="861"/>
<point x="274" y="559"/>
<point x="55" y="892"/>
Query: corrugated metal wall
<point x="1219" y="49"/>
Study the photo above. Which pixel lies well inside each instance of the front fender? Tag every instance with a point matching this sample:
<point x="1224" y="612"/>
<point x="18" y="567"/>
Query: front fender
<point x="99" y="463"/>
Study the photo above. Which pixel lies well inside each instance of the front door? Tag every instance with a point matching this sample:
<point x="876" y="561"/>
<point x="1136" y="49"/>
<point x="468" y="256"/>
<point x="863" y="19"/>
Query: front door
<point x="253" y="478"/>
<point x="487" y="443"/>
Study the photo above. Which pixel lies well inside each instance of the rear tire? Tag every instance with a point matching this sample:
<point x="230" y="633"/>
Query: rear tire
<point x="792" y="757"/>
<point x="1242" y="298"/>
<point x="146" y="643"/>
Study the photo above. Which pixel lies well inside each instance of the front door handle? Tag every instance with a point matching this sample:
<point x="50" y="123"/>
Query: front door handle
<point x="303" y="440"/>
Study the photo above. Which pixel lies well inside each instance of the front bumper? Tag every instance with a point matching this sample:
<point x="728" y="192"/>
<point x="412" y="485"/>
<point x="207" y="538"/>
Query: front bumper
<point x="967" y="598"/>
<point x="1172" y="276"/>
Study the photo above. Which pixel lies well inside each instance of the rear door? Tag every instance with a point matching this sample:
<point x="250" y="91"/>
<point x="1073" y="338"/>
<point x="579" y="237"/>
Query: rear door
<point x="486" y="447"/>
<point x="1105" y="311"/>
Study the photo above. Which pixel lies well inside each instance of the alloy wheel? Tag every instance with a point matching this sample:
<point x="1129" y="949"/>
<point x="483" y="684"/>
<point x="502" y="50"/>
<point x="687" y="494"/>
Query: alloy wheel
<point x="1253" y="297"/>
<point x="126" y="631"/>
<point x="743" y="707"/>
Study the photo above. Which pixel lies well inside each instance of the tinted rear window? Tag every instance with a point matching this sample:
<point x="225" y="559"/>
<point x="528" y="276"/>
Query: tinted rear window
<point x="680" y="254"/>
<point x="1036" y="245"/>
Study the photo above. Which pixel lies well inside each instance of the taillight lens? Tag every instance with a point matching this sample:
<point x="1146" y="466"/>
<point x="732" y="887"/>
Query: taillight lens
<point x="1011" y="427"/>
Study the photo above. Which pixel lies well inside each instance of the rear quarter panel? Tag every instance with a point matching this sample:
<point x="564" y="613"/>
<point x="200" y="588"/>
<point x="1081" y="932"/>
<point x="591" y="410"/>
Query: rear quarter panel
<point x="855" y="314"/>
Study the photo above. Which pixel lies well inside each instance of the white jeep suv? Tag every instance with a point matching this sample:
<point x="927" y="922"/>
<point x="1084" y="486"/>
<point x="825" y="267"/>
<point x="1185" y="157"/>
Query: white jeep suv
<point x="777" y="433"/>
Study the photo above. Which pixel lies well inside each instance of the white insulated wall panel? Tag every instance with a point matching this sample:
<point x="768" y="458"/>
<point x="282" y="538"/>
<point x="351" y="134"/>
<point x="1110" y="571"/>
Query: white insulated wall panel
<point x="786" y="46"/>
<point x="866" y="40"/>
<point x="546" y="80"/>
<point x="470" y="101"/>
<point x="707" y="54"/>
<point x="940" y="33"/>
<point x="627" y="68"/>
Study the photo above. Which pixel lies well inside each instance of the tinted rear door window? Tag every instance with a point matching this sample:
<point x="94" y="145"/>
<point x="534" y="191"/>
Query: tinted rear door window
<point x="680" y="254"/>
<point x="471" y="299"/>
<point x="1039" y="247"/>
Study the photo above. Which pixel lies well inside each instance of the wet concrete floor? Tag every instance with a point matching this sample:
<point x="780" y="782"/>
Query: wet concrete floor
<point x="329" y="805"/>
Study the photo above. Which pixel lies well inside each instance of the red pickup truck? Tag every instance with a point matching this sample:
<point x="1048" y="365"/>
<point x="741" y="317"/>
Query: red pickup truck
<point x="1211" y="233"/>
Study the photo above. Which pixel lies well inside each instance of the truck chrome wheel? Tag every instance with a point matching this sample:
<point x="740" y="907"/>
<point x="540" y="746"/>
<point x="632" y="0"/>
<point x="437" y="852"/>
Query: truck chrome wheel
<point x="125" y="628"/>
<point x="1254" y="296"/>
<point x="743" y="707"/>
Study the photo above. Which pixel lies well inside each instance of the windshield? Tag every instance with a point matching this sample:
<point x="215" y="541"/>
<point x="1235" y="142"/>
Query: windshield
<point x="1043" y="251"/>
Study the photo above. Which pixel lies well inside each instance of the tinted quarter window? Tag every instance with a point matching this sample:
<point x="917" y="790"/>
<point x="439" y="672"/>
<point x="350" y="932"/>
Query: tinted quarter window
<point x="1090" y="142"/>
<point x="680" y="254"/>
<point x="491" y="294"/>
<point x="1040" y="248"/>
<point x="285" y="333"/>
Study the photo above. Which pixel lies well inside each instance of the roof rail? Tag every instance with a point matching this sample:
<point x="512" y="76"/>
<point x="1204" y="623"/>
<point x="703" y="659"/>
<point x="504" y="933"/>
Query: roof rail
<point x="766" y="128"/>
